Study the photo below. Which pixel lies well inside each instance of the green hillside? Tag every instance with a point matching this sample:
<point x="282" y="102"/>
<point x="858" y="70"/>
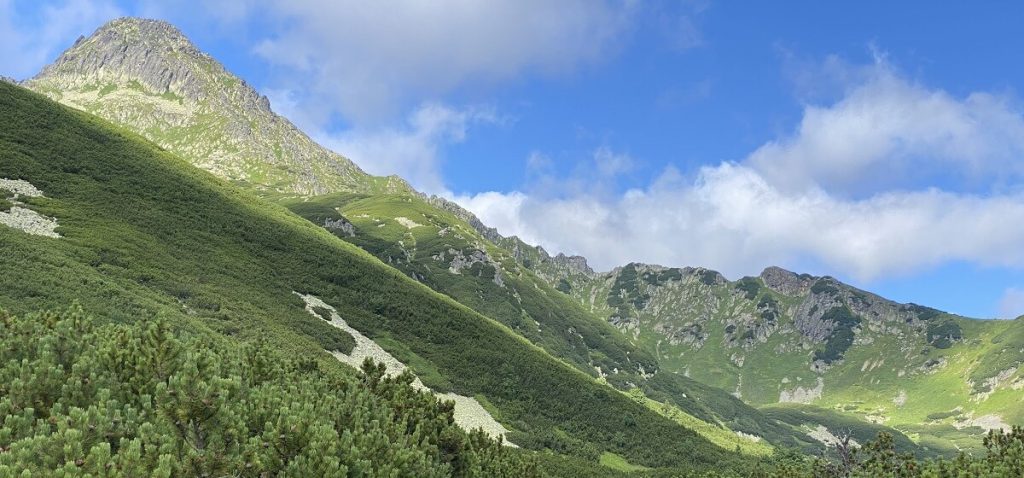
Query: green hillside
<point x="199" y="119"/>
<point x="447" y="254"/>
<point x="783" y="337"/>
<point x="84" y="399"/>
<point x="143" y="235"/>
<point x="671" y="345"/>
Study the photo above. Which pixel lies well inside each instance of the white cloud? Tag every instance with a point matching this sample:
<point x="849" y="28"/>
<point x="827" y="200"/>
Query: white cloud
<point x="27" y="42"/>
<point x="733" y="220"/>
<point x="365" y="59"/>
<point x="843" y="192"/>
<point x="888" y="132"/>
<point x="610" y="164"/>
<point x="1011" y="305"/>
<point x="412" y="151"/>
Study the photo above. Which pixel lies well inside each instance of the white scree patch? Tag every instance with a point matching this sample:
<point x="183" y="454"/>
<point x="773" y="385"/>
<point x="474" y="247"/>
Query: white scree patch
<point x="22" y="218"/>
<point x="469" y="414"/>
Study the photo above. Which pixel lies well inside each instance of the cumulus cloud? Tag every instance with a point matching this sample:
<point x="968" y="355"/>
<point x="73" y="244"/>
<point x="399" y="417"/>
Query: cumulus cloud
<point x="732" y="219"/>
<point x="365" y="58"/>
<point x="30" y="41"/>
<point x="889" y="132"/>
<point x="839" y="193"/>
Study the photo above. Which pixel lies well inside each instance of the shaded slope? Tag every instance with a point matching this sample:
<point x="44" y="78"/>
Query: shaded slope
<point x="441" y="250"/>
<point x="144" y="234"/>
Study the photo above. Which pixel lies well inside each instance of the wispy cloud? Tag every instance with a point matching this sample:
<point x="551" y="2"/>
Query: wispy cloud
<point x="414" y="150"/>
<point x="367" y="59"/>
<point x="369" y="63"/>
<point x="681" y="27"/>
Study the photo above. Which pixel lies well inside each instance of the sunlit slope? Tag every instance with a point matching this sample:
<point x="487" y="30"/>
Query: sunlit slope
<point x="144" y="234"/>
<point x="785" y="337"/>
<point x="444" y="252"/>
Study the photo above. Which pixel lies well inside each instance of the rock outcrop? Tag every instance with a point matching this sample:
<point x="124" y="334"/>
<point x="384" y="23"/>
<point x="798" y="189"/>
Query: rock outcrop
<point x="148" y="77"/>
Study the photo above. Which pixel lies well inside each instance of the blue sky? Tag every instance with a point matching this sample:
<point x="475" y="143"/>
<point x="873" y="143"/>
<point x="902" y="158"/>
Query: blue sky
<point x="880" y="143"/>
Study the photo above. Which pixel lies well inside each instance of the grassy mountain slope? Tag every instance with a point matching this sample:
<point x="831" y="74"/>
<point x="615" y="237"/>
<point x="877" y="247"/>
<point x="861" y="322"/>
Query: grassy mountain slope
<point x="149" y="78"/>
<point x="443" y="251"/>
<point x="783" y="337"/>
<point x="143" y="234"/>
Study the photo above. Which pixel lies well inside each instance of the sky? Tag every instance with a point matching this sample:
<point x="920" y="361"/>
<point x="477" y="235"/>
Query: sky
<point x="881" y="143"/>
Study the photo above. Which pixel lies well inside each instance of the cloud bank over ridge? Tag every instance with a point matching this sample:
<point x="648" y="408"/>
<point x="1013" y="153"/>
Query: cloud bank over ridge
<point x="843" y="191"/>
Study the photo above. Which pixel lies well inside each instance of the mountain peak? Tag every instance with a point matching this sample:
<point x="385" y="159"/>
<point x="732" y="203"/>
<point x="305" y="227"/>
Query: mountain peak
<point x="146" y="32"/>
<point x="143" y="28"/>
<point x="147" y="76"/>
<point x="153" y="53"/>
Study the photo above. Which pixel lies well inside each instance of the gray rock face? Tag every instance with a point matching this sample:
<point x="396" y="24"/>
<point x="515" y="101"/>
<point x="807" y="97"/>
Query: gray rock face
<point x="148" y="77"/>
<point x="341" y="225"/>
<point x="459" y="261"/>
<point x="549" y="267"/>
<point x="808" y="316"/>
<point x="574" y="263"/>
<point x="460" y="212"/>
<point x="785" y="282"/>
<point x="147" y="51"/>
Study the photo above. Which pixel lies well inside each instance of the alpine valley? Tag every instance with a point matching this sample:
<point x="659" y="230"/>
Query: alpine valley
<point x="191" y="286"/>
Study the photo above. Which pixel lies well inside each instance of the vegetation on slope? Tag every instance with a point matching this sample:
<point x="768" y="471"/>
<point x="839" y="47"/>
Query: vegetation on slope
<point x="718" y="435"/>
<point x="132" y="400"/>
<point x="417" y="238"/>
<point x="146" y="235"/>
<point x="493" y="285"/>
<point x="1001" y="455"/>
<point x="798" y="338"/>
<point x="836" y="423"/>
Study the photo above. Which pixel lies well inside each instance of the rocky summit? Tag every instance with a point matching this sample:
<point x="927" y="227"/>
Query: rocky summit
<point x="147" y="76"/>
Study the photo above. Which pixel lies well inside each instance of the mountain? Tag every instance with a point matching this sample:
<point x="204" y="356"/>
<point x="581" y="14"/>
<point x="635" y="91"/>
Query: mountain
<point x="686" y="344"/>
<point x="140" y="234"/>
<point x="784" y="338"/>
<point x="784" y="341"/>
<point x="796" y="344"/>
<point x="146" y="74"/>
<point x="431" y="240"/>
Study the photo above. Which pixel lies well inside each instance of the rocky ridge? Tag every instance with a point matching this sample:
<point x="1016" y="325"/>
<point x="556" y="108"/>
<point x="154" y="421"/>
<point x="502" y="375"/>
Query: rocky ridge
<point x="147" y="76"/>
